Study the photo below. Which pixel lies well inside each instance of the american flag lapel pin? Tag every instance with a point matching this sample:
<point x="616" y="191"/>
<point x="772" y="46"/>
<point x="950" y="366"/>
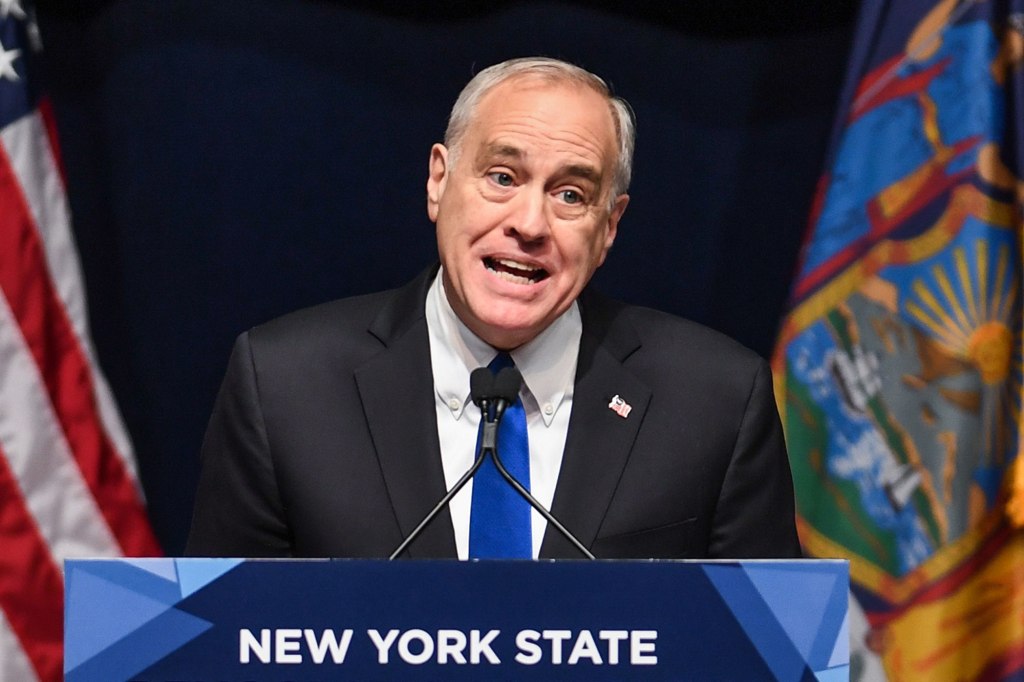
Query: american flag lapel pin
<point x="620" y="406"/>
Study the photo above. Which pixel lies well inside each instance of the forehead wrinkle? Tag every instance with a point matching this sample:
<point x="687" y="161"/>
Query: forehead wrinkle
<point x="540" y="131"/>
<point x="585" y="168"/>
<point x="509" y="129"/>
<point x="584" y="171"/>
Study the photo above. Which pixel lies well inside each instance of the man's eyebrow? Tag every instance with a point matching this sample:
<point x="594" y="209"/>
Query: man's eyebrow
<point x="501" y="150"/>
<point x="575" y="170"/>
<point x="584" y="171"/>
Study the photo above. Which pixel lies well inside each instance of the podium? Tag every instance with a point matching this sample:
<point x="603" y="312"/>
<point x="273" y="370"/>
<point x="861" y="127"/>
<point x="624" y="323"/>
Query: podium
<point x="229" y="620"/>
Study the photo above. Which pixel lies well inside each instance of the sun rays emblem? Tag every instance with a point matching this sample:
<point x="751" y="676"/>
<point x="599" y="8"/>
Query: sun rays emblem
<point x="970" y="310"/>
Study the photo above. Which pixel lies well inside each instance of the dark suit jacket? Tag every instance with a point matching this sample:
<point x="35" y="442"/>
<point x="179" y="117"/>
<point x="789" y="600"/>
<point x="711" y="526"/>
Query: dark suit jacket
<point x="323" y="441"/>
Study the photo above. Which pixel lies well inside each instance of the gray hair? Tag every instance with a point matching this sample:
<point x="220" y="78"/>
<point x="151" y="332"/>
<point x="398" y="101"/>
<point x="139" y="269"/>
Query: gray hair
<point x="553" y="70"/>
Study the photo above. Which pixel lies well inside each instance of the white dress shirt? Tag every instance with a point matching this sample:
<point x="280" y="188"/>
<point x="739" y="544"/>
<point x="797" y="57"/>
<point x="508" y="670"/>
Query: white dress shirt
<point x="548" y="366"/>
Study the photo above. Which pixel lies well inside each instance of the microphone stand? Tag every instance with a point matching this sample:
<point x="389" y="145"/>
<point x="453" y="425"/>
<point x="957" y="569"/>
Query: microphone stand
<point x="459" y="485"/>
<point x="489" y="444"/>
<point x="525" y="494"/>
<point x="509" y="386"/>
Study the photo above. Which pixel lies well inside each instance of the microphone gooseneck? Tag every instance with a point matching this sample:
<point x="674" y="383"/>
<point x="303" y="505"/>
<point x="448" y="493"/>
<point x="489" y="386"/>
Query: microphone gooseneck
<point x="506" y="391"/>
<point x="481" y="392"/>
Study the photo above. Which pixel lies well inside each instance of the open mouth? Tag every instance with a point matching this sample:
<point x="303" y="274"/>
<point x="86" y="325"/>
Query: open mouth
<point x="514" y="271"/>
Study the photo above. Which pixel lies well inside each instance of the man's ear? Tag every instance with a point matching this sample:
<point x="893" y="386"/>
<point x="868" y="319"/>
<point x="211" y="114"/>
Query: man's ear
<point x="618" y="208"/>
<point x="437" y="179"/>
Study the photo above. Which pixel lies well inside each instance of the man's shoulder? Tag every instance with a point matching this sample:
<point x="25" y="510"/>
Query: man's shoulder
<point x="339" y="332"/>
<point x="356" y="321"/>
<point x="670" y="335"/>
<point x="659" y="326"/>
<point x="667" y="352"/>
<point x="351" y="315"/>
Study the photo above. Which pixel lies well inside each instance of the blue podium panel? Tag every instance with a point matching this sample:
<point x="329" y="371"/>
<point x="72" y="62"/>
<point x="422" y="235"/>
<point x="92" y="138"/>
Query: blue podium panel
<point x="229" y="620"/>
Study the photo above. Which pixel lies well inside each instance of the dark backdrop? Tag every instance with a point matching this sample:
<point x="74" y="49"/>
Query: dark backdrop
<point x="229" y="161"/>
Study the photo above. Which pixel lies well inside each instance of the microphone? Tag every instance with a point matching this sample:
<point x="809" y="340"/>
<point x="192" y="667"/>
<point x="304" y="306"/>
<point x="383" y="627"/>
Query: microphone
<point x="499" y="391"/>
<point x="507" y="383"/>
<point x="481" y="380"/>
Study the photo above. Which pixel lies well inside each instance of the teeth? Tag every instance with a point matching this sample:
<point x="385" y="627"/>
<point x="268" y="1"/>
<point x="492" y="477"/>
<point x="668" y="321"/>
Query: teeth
<point x="514" y="271"/>
<point x="509" y="277"/>
<point x="523" y="274"/>
<point x="515" y="265"/>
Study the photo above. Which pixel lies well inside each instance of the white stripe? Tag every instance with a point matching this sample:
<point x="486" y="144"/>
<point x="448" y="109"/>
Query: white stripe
<point x="14" y="663"/>
<point x="40" y="458"/>
<point x="32" y="160"/>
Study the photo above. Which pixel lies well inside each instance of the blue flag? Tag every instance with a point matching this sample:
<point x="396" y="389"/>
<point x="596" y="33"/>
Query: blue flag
<point x="898" y="367"/>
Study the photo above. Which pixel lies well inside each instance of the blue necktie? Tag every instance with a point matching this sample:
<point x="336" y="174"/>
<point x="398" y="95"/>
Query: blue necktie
<point x="499" y="523"/>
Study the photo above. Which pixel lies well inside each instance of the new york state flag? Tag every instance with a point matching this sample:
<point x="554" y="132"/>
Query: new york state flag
<point x="898" y="367"/>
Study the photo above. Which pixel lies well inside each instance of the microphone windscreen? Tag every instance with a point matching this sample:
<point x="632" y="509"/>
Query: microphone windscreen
<point x="507" y="384"/>
<point x="481" y="384"/>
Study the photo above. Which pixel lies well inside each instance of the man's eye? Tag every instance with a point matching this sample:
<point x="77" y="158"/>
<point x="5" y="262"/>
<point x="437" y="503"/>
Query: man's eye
<point x="503" y="179"/>
<point x="571" y="196"/>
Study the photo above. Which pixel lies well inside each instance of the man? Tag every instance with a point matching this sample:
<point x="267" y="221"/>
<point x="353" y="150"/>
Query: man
<point x="338" y="427"/>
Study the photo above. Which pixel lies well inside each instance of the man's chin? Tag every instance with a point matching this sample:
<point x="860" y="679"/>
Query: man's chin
<point x="508" y="332"/>
<point x="506" y="321"/>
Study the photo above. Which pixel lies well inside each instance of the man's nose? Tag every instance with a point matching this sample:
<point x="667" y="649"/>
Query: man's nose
<point x="530" y="220"/>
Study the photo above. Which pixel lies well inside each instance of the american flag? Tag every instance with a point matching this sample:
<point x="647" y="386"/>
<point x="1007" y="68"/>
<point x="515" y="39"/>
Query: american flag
<point x="68" y="486"/>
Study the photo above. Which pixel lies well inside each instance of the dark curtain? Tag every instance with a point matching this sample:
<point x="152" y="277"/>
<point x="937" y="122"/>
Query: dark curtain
<point x="227" y="162"/>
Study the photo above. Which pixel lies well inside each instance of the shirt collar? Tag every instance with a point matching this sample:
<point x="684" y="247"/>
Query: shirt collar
<point x="547" y="362"/>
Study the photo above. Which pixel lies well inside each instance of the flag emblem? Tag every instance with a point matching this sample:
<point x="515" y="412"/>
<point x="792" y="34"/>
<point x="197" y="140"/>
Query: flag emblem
<point x="620" y="407"/>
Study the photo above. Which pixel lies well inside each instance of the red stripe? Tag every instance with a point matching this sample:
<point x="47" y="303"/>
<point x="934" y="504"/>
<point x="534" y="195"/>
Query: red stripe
<point x="31" y="589"/>
<point x="950" y="582"/>
<point x="955" y="579"/>
<point x="50" y="123"/>
<point x="896" y="88"/>
<point x="875" y="75"/>
<point x="938" y="183"/>
<point x="25" y="279"/>
<point x="817" y="206"/>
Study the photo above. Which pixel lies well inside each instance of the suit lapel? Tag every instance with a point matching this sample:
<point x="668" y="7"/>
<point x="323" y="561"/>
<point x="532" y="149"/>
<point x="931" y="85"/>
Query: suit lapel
<point x="599" y="440"/>
<point x="396" y="387"/>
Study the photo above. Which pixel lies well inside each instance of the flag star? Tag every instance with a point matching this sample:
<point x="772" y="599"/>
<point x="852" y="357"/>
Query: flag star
<point x="11" y="8"/>
<point x="7" y="58"/>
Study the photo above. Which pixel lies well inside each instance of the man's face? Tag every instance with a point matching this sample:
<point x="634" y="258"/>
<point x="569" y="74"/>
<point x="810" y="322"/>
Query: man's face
<point x="522" y="214"/>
